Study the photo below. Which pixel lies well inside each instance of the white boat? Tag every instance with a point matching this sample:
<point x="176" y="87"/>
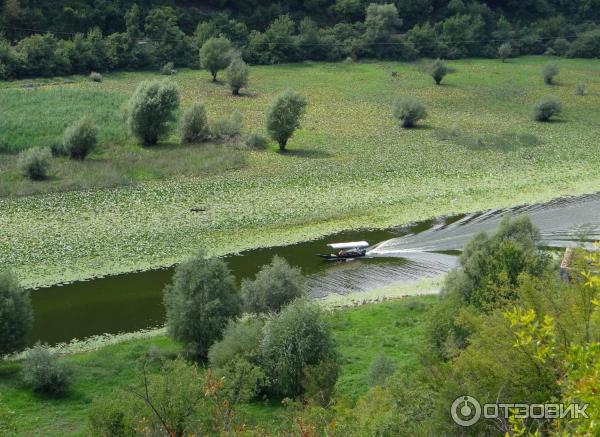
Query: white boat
<point x="353" y="249"/>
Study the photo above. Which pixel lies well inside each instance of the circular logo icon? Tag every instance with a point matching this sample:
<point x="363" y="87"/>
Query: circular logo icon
<point x="465" y="411"/>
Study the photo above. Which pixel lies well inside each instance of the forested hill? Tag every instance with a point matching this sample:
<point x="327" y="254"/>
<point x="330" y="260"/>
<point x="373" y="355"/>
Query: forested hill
<point x="50" y="37"/>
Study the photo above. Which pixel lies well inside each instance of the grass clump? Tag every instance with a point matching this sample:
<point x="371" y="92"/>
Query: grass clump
<point x="409" y="110"/>
<point x="35" y="163"/>
<point x="226" y="127"/>
<point x="80" y="139"/>
<point x="580" y="89"/>
<point x="256" y="140"/>
<point x="95" y="77"/>
<point x="546" y="108"/>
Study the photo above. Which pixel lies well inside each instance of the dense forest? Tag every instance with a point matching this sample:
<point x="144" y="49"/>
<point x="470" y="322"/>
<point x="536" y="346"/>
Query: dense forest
<point x="45" y="38"/>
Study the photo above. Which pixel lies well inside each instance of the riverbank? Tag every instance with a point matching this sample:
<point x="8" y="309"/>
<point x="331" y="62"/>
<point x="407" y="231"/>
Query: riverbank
<point x="349" y="167"/>
<point x="396" y="328"/>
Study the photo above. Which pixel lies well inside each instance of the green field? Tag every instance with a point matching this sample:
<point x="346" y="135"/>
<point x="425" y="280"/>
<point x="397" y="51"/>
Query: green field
<point x="394" y="328"/>
<point x="349" y="166"/>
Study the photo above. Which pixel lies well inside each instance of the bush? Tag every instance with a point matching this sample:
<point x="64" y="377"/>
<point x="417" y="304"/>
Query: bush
<point x="237" y="75"/>
<point x="45" y="373"/>
<point x="580" y="89"/>
<point x="505" y="51"/>
<point x="112" y="417"/>
<point x="16" y="315"/>
<point x="297" y="338"/>
<point x="550" y="71"/>
<point x="224" y="128"/>
<point x="168" y="69"/>
<point x="283" y="116"/>
<point x="193" y="126"/>
<point x="95" y="77"/>
<point x="241" y="339"/>
<point x="34" y="163"/>
<point x="200" y="302"/>
<point x="319" y="381"/>
<point x="242" y="380"/>
<point x="561" y="46"/>
<point x="8" y="425"/>
<point x="151" y="109"/>
<point x="438" y="70"/>
<point x="275" y="285"/>
<point x="546" y="108"/>
<point x="255" y="140"/>
<point x="409" y="110"/>
<point x="80" y="139"/>
<point x="215" y="55"/>
<point x="380" y="369"/>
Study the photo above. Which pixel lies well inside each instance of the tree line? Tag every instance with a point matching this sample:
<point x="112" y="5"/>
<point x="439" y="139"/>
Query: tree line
<point x="135" y="37"/>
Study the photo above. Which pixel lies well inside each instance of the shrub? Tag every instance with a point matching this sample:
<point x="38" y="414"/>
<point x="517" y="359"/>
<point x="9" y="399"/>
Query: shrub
<point x="580" y="89"/>
<point x="549" y="72"/>
<point x="242" y="380"/>
<point x="112" y="417"/>
<point x="255" y="140"/>
<point x="297" y="338"/>
<point x="237" y="75"/>
<point x="546" y="108"/>
<point x="16" y="315"/>
<point x="226" y="127"/>
<point x="200" y="302"/>
<point x="240" y="339"/>
<point x="275" y="285"/>
<point x="215" y="55"/>
<point x="561" y="46"/>
<point x="80" y="139"/>
<point x="95" y="77"/>
<point x="193" y="126"/>
<point x="151" y="109"/>
<point x="8" y="425"/>
<point x="168" y="69"/>
<point x="45" y="373"/>
<point x="34" y="163"/>
<point x="319" y="381"/>
<point x="505" y="51"/>
<point x="409" y="110"/>
<point x="438" y="70"/>
<point x="380" y="369"/>
<point x="283" y="116"/>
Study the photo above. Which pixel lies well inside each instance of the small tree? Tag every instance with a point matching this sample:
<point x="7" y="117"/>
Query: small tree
<point x="215" y="55"/>
<point x="505" y="51"/>
<point x="409" y="110"/>
<point x="438" y="70"/>
<point x="550" y="71"/>
<point x="193" y="127"/>
<point x="283" y="116"/>
<point x="151" y="109"/>
<point x="546" y="108"/>
<point x="34" y="163"/>
<point x="16" y="315"/>
<point x="45" y="373"/>
<point x="80" y="139"/>
<point x="296" y="339"/>
<point x="200" y="302"/>
<point x="276" y="285"/>
<point x="237" y="75"/>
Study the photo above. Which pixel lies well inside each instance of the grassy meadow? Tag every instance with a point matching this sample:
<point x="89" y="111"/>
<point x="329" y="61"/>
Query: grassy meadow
<point x="394" y="328"/>
<point x="350" y="165"/>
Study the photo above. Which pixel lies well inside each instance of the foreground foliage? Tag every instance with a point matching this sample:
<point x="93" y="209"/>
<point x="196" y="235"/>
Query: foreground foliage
<point x="16" y="314"/>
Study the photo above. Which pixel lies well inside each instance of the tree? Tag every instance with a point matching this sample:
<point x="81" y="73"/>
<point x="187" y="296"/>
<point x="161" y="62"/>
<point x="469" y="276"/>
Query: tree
<point x="237" y="74"/>
<point x="438" y="70"/>
<point x="151" y="109"/>
<point x="297" y="338"/>
<point x="80" y="139"/>
<point x="409" y="110"/>
<point x="34" y="163"/>
<point x="381" y="21"/>
<point x="16" y="315"/>
<point x="276" y="285"/>
<point x="505" y="51"/>
<point x="546" y="108"/>
<point x="200" y="302"/>
<point x="283" y="116"/>
<point x="215" y="55"/>
<point x="194" y="124"/>
<point x="549" y="72"/>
